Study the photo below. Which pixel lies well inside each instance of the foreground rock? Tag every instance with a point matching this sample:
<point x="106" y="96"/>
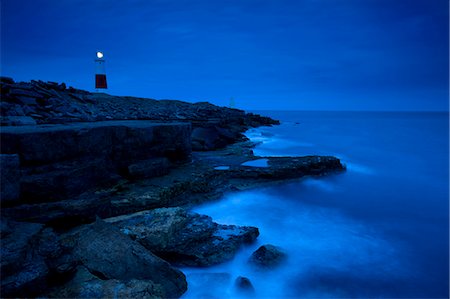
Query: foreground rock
<point x="87" y="285"/>
<point x="95" y="260"/>
<point x="244" y="285"/>
<point x="30" y="255"/>
<point x="111" y="255"/>
<point x="185" y="238"/>
<point x="267" y="256"/>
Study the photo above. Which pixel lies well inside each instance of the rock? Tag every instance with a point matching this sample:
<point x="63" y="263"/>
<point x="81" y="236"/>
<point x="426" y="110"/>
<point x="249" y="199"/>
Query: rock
<point x="205" y="139"/>
<point x="87" y="285"/>
<point x="218" y="126"/>
<point x="30" y="281"/>
<point x="7" y="80"/>
<point x="26" y="92"/>
<point x="281" y="168"/>
<point x="185" y="238"/>
<point x="267" y="256"/>
<point x="214" y="136"/>
<point x="109" y="254"/>
<point x="28" y="254"/>
<point x="62" y="214"/>
<point x="10" y="178"/>
<point x="10" y="109"/>
<point x="18" y="121"/>
<point x="66" y="180"/>
<point x="5" y="227"/>
<point x="123" y="140"/>
<point x="15" y="244"/>
<point x="244" y="284"/>
<point x="25" y="100"/>
<point x="62" y="161"/>
<point x="149" y="168"/>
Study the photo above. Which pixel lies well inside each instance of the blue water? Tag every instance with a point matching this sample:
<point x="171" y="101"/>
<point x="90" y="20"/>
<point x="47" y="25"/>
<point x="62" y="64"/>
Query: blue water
<point x="381" y="229"/>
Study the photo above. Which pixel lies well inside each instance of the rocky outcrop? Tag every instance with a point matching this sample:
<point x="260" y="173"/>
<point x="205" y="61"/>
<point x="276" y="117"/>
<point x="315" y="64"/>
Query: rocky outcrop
<point x="244" y="285"/>
<point x="86" y="285"/>
<point x="69" y="157"/>
<point x="30" y="256"/>
<point x="61" y="161"/>
<point x="185" y="238"/>
<point x="26" y="103"/>
<point x="187" y="184"/>
<point x="267" y="256"/>
<point x="94" y="260"/>
<point x="111" y="255"/>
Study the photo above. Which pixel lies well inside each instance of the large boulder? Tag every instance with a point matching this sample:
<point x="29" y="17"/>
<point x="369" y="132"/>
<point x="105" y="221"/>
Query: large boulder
<point x="267" y="256"/>
<point x="110" y="254"/>
<point x="87" y="285"/>
<point x="30" y="254"/>
<point x="244" y="285"/>
<point x="183" y="237"/>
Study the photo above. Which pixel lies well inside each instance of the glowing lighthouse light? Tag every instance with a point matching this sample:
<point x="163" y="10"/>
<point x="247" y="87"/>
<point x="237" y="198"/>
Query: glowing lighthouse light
<point x="100" y="73"/>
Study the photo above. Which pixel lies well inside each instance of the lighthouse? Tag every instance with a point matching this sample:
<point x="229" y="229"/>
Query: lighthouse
<point x="100" y="73"/>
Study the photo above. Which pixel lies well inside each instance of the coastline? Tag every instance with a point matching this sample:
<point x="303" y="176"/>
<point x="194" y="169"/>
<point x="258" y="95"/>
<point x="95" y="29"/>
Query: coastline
<point x="62" y="175"/>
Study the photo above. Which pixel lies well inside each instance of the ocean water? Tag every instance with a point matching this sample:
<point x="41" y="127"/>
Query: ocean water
<point x="379" y="230"/>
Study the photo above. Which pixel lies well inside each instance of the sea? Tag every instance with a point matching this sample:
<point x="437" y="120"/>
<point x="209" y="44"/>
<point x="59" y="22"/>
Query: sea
<point x="378" y="230"/>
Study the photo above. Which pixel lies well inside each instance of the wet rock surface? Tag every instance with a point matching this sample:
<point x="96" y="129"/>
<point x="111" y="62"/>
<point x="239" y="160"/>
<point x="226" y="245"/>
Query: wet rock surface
<point x="29" y="256"/>
<point x="267" y="256"/>
<point x="244" y="285"/>
<point x="185" y="238"/>
<point x="108" y="253"/>
<point x="87" y="285"/>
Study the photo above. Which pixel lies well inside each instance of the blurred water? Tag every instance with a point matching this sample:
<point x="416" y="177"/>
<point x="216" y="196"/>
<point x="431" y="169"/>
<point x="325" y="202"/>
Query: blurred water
<point x="378" y="230"/>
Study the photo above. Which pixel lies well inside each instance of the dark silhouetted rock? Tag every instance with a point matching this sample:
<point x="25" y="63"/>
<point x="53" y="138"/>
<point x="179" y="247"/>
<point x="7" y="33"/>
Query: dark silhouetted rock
<point x="29" y="254"/>
<point x="185" y="238"/>
<point x="7" y="80"/>
<point x="110" y="254"/>
<point x="149" y="168"/>
<point x="18" y="120"/>
<point x="206" y="139"/>
<point x="267" y="256"/>
<point x="50" y="102"/>
<point x="10" y="178"/>
<point x="62" y="161"/>
<point x="244" y="284"/>
<point x="87" y="285"/>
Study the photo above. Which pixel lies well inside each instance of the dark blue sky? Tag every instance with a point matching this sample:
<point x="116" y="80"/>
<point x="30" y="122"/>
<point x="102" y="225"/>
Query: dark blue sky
<point x="298" y="54"/>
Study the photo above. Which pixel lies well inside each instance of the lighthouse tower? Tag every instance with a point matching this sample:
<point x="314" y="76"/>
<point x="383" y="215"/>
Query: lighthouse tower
<point x="100" y="73"/>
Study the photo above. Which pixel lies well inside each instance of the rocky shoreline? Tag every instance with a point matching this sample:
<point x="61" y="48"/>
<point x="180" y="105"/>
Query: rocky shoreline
<point x="96" y="190"/>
